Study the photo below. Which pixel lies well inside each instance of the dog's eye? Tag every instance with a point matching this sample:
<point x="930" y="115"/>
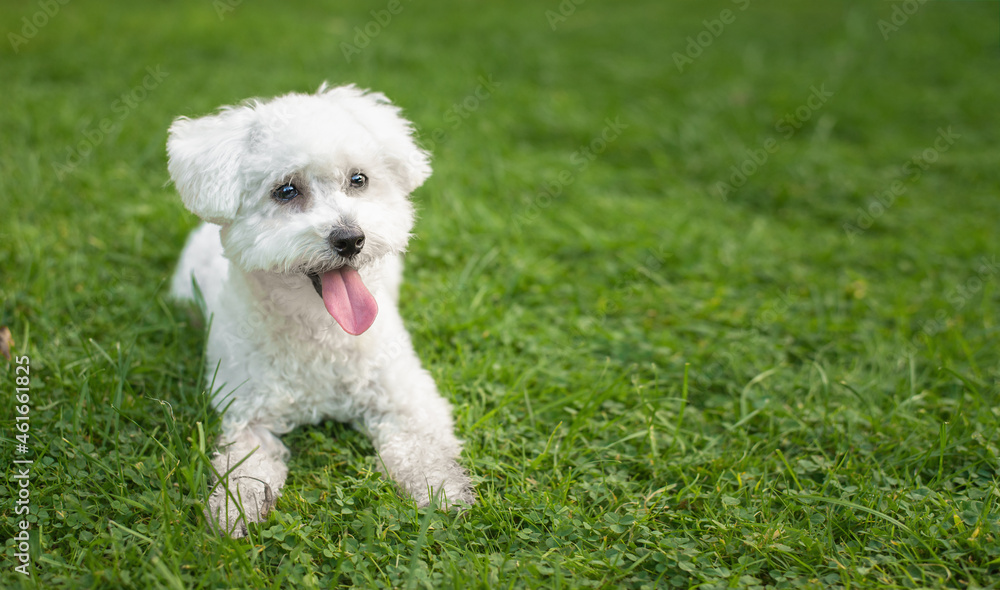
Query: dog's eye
<point x="359" y="180"/>
<point x="285" y="193"/>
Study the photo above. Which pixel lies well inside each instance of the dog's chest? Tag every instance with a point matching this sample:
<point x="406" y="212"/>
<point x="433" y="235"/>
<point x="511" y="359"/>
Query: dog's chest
<point x="299" y="374"/>
<point x="327" y="377"/>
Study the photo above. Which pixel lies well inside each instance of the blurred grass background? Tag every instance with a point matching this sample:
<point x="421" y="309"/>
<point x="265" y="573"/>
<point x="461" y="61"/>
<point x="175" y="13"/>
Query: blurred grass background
<point x="661" y="381"/>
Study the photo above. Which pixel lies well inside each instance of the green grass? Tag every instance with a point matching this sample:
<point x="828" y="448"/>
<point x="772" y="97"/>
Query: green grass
<point x="658" y="386"/>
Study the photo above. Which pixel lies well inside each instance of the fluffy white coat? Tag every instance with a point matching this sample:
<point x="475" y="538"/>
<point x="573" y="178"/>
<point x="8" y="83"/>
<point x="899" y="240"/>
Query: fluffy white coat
<point x="279" y="358"/>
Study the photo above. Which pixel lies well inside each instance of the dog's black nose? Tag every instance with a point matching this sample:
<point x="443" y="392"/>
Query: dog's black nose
<point x="347" y="242"/>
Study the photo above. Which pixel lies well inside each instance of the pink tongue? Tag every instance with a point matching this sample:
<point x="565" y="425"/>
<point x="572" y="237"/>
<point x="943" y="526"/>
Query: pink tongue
<point x="348" y="300"/>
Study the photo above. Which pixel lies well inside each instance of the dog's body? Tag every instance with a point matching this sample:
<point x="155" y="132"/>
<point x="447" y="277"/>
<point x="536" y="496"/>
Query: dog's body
<point x="299" y="267"/>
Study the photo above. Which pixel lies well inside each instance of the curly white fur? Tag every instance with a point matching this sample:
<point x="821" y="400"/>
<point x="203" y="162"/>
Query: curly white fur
<point x="280" y="357"/>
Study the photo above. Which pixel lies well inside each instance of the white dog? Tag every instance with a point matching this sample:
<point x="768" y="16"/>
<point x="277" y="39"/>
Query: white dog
<point x="299" y="264"/>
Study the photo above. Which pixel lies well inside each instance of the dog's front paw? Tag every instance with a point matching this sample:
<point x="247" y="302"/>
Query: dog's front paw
<point x="243" y="500"/>
<point x="454" y="490"/>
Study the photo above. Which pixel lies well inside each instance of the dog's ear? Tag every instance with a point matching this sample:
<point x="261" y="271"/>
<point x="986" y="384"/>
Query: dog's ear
<point x="408" y="162"/>
<point x="204" y="161"/>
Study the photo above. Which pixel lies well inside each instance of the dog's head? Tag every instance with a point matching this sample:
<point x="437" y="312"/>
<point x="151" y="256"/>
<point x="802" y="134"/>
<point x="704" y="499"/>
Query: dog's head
<point x="315" y="184"/>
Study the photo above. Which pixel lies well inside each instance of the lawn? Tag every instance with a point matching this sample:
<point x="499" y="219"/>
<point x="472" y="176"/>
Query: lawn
<point x="713" y="288"/>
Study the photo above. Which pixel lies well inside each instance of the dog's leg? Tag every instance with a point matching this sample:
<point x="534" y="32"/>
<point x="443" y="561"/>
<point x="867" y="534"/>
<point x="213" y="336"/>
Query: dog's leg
<point x="251" y="463"/>
<point x="413" y="434"/>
